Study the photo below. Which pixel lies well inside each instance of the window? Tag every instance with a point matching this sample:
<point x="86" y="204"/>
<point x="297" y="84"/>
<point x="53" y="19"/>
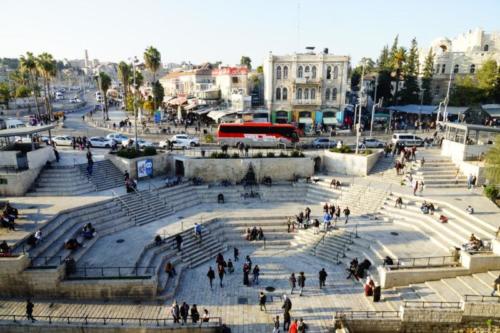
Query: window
<point x="235" y="79"/>
<point x="443" y="68"/>
<point x="285" y="72"/>
<point x="313" y="72"/>
<point x="329" y="73"/>
<point x="486" y="48"/>
<point x="313" y="93"/>
<point x="299" y="93"/>
<point x="284" y="95"/>
<point x="307" y="70"/>
<point x="300" y="72"/>
<point x="334" y="94"/>
<point x="306" y="93"/>
<point x="438" y="66"/>
<point x="455" y="69"/>
<point x="335" y="72"/>
<point x="327" y="94"/>
<point x="278" y="73"/>
<point x="437" y="90"/>
<point x="278" y="94"/>
<point x="472" y="69"/>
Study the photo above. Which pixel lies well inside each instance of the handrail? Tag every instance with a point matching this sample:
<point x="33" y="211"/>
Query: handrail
<point x="101" y="271"/>
<point x="427" y="304"/>
<point x="365" y="314"/>
<point x="482" y="298"/>
<point x="109" y="320"/>
<point x="141" y="197"/>
<point x="45" y="260"/>
<point x="425" y="262"/>
<point x="157" y="192"/>
<point x="127" y="207"/>
<point x="321" y="240"/>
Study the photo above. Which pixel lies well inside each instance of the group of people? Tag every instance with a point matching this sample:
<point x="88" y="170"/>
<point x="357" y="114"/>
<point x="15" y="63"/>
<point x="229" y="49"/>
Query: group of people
<point x="9" y="216"/>
<point x="181" y="313"/>
<point x="34" y="239"/>
<point x="80" y="142"/>
<point x="427" y="208"/>
<point x="254" y="234"/>
<point x="358" y="270"/>
<point x="130" y="183"/>
<point x="297" y="326"/>
<point x="335" y="183"/>
<point x="474" y="244"/>
<point x="333" y="213"/>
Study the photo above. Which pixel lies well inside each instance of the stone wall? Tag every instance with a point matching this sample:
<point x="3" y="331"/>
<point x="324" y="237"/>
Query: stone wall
<point x="234" y="169"/>
<point x="18" y="183"/>
<point x="459" y="152"/>
<point x="20" y="327"/>
<point x="39" y="157"/>
<point x="162" y="164"/>
<point x="8" y="158"/>
<point x="350" y="164"/>
<point x="480" y="262"/>
<point x="404" y="277"/>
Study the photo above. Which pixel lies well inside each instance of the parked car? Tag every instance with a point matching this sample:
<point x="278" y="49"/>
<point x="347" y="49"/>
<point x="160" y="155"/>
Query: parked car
<point x="62" y="140"/>
<point x="323" y="143"/>
<point x="181" y="141"/>
<point x="102" y="142"/>
<point x="371" y="143"/>
<point x="406" y="139"/>
<point x="142" y="143"/>
<point x="118" y="137"/>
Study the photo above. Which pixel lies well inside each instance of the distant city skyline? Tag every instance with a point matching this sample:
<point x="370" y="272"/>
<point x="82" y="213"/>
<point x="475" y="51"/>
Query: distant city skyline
<point x="200" y="31"/>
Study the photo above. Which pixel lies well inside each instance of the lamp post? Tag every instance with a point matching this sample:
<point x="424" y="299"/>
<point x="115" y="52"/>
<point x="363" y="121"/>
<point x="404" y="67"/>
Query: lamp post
<point x="361" y="91"/>
<point x="375" y="104"/>
<point x="99" y="86"/>
<point x="447" y="98"/>
<point x="134" y="61"/>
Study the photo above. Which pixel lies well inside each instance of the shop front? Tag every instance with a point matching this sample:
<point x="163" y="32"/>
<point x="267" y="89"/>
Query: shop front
<point x="281" y="117"/>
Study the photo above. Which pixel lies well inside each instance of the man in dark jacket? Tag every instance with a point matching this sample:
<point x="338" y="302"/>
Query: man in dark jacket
<point x="184" y="310"/>
<point x="211" y="276"/>
<point x="301" y="282"/>
<point x="322" y="278"/>
<point x="287" y="306"/>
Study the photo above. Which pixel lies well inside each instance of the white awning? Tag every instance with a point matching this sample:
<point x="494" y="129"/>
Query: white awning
<point x="216" y="115"/>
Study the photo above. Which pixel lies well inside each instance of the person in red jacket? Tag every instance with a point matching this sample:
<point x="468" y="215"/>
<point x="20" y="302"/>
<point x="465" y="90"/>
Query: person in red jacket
<point x="294" y="327"/>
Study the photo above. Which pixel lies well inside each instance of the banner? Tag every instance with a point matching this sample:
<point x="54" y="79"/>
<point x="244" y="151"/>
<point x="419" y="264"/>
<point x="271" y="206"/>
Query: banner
<point x="145" y="168"/>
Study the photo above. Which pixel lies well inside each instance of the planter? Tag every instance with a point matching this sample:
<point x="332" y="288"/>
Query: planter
<point x="350" y="164"/>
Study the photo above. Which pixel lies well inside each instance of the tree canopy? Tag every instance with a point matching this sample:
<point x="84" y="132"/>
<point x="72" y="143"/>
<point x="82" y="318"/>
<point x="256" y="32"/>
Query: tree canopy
<point x="246" y="61"/>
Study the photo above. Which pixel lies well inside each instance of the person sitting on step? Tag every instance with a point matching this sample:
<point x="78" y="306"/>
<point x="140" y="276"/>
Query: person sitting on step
<point x="399" y="202"/>
<point x="4" y="249"/>
<point x="72" y="244"/>
<point x="469" y="210"/>
<point x="170" y="269"/>
<point x="88" y="231"/>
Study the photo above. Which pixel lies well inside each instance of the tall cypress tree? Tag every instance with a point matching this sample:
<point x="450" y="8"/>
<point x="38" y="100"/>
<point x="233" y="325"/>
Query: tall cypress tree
<point x="410" y="93"/>
<point x="393" y="53"/>
<point x="427" y="74"/>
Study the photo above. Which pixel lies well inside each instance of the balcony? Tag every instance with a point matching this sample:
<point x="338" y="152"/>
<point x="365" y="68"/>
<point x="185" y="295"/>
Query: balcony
<point x="315" y="101"/>
<point x="305" y="80"/>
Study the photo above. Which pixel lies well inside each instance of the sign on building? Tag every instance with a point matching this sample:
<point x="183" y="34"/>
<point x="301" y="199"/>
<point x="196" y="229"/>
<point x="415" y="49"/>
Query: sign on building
<point x="145" y="168"/>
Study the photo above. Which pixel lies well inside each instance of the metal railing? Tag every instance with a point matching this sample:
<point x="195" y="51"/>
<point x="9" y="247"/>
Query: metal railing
<point x="156" y="191"/>
<point x="481" y="298"/>
<point x="144" y="201"/>
<point x="110" y="272"/>
<point x="41" y="262"/>
<point x="321" y="241"/>
<point x="125" y="205"/>
<point x="366" y="314"/>
<point x="113" y="321"/>
<point x="402" y="263"/>
<point x="434" y="305"/>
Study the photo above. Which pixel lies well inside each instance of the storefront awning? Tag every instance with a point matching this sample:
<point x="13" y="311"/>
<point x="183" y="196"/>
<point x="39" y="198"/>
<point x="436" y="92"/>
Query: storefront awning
<point x="414" y="108"/>
<point x="216" y="115"/>
<point x="177" y="101"/>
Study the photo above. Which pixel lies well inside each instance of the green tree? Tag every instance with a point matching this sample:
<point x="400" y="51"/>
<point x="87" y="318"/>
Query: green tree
<point x="410" y="93"/>
<point x="398" y="64"/>
<point x="383" y="62"/>
<point x="246" y="61"/>
<point x="260" y="69"/>
<point x="393" y="52"/>
<point x="152" y="60"/>
<point x="158" y="94"/>
<point x="465" y="91"/>
<point x="369" y="64"/>
<point x="4" y="93"/>
<point x="488" y="79"/>
<point x="427" y="74"/>
<point x="22" y="91"/>
<point x="384" y="86"/>
<point x="124" y="72"/>
<point x="105" y="83"/>
<point x="47" y="67"/>
<point x="356" y="77"/>
<point x="28" y="65"/>
<point x="493" y="163"/>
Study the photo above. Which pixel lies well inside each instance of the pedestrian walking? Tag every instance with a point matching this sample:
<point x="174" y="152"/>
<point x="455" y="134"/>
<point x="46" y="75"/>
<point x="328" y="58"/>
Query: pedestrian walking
<point x="347" y="212"/>
<point x="222" y="272"/>
<point x="287" y="306"/>
<point x="175" y="312"/>
<point x="292" y="280"/>
<point x="29" y="310"/>
<point x="262" y="301"/>
<point x="276" y="327"/>
<point x="195" y="315"/>
<point x="256" y="273"/>
<point x="496" y="286"/>
<point x="294" y="328"/>
<point x="301" y="282"/>
<point x="178" y="241"/>
<point x="322" y="278"/>
<point x="230" y="266"/>
<point x="184" y="312"/>
<point x="211" y="276"/>
<point x="246" y="272"/>
<point x="56" y="154"/>
<point x="421" y="187"/>
<point x="236" y="253"/>
<point x="302" y="327"/>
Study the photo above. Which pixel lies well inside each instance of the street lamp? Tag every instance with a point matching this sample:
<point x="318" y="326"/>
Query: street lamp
<point x="361" y="91"/>
<point x="447" y="98"/>
<point x="97" y="77"/>
<point x="134" y="62"/>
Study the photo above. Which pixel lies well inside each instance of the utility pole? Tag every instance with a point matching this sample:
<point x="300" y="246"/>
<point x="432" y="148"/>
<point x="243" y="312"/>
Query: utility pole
<point x="134" y="60"/>
<point x="361" y="91"/>
<point x="374" y="106"/>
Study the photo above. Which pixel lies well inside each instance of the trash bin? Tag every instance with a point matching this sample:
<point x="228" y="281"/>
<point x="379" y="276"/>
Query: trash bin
<point x="376" y="294"/>
<point x="455" y="253"/>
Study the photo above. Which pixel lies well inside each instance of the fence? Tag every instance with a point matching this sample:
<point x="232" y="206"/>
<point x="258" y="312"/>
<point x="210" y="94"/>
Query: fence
<point x="481" y="299"/>
<point x="110" y="272"/>
<point x="366" y="314"/>
<point x="113" y="321"/>
<point x="46" y="262"/>
<point x="403" y="263"/>
<point x="433" y="305"/>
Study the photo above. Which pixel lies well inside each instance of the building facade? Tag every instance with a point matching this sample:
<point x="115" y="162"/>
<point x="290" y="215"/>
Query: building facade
<point x="188" y="83"/>
<point x="305" y="88"/>
<point x="462" y="55"/>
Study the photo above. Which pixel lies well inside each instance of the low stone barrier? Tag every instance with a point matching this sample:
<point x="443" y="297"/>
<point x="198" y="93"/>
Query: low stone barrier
<point x="350" y="164"/>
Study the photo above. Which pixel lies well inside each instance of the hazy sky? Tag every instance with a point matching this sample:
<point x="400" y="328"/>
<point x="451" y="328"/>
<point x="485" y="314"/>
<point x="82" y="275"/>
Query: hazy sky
<point x="210" y="30"/>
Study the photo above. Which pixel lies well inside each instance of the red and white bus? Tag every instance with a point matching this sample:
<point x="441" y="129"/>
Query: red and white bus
<point x="257" y="134"/>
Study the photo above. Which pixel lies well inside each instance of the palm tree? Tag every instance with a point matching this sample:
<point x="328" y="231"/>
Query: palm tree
<point x="124" y="72"/>
<point x="105" y="85"/>
<point x="47" y="67"/>
<point x="28" y="65"/>
<point x="152" y="60"/>
<point x="398" y="61"/>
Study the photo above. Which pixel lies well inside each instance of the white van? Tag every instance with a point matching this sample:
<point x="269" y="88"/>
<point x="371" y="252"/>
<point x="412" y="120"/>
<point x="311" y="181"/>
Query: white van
<point x="14" y="123"/>
<point x="406" y="139"/>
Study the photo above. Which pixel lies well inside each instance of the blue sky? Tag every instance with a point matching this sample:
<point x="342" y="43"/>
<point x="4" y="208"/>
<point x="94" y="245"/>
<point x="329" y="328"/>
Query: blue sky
<point x="213" y="30"/>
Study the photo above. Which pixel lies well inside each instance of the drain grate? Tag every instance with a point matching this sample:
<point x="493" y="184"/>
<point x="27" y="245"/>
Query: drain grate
<point x="120" y="240"/>
<point x="270" y="289"/>
<point x="394" y="233"/>
<point x="242" y="300"/>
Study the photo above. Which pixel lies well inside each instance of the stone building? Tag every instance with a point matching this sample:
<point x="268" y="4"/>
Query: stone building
<point x="463" y="55"/>
<point x="305" y="88"/>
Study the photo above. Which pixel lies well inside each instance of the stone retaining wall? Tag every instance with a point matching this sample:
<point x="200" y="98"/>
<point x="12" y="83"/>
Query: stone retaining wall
<point x="61" y="328"/>
<point x="350" y="164"/>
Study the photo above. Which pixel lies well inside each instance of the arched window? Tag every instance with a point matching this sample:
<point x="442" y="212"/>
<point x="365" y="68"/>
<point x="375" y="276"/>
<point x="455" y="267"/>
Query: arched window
<point x="329" y="73"/>
<point x="313" y="93"/>
<point x="299" y="93"/>
<point x="300" y="72"/>
<point x="438" y="66"/>
<point x="306" y="93"/>
<point x="335" y="72"/>
<point x="455" y="68"/>
<point x="313" y="74"/>
<point x="443" y="69"/>
<point x="307" y="70"/>
<point x="472" y="69"/>
<point x="285" y="94"/>
<point x="278" y="73"/>
<point x="278" y="94"/>
<point x="334" y="94"/>
<point x="285" y="72"/>
<point x="327" y="94"/>
<point x="486" y="48"/>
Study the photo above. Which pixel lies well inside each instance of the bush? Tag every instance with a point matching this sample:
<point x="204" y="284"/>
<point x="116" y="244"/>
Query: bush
<point x="343" y="150"/>
<point x="149" y="151"/>
<point x="282" y="154"/>
<point x="128" y="153"/>
<point x="209" y="138"/>
<point x="270" y="154"/>
<point x="296" y="153"/>
<point x="235" y="155"/>
<point x="258" y="155"/>
<point x="491" y="192"/>
<point x="216" y="154"/>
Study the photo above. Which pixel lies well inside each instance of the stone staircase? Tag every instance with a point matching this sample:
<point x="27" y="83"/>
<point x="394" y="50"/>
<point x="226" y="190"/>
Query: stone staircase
<point x="438" y="171"/>
<point x="61" y="181"/>
<point x="105" y="175"/>
<point x="145" y="206"/>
